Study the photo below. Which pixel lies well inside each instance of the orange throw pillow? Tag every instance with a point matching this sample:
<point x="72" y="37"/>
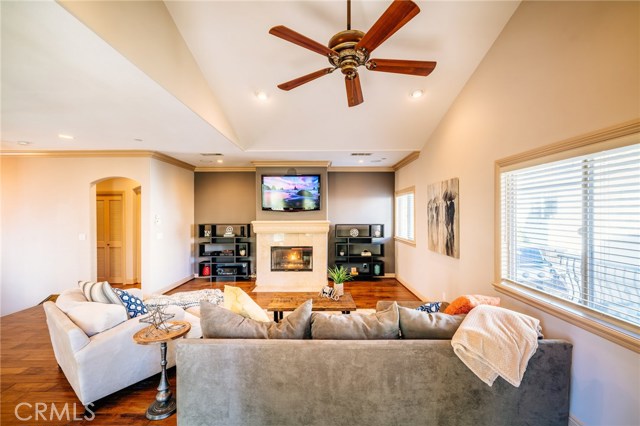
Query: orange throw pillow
<point x="463" y="304"/>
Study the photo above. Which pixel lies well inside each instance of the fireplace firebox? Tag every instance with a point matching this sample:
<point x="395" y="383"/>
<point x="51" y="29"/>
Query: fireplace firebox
<point x="294" y="259"/>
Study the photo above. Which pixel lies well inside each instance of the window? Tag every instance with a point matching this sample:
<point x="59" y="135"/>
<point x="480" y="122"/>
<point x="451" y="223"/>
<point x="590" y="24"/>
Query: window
<point x="405" y="215"/>
<point x="570" y="232"/>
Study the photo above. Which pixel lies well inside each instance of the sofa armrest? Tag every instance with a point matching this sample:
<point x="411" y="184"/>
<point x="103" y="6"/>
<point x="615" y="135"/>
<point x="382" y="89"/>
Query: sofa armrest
<point x="65" y="335"/>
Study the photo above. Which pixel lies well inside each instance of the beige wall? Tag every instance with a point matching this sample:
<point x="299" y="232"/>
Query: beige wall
<point x="559" y="69"/>
<point x="49" y="218"/>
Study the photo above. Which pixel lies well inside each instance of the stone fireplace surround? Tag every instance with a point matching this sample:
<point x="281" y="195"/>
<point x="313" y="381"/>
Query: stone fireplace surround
<point x="269" y="233"/>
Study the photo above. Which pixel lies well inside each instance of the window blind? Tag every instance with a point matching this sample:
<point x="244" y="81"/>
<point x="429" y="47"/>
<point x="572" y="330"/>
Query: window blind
<point x="405" y="216"/>
<point x="571" y="229"/>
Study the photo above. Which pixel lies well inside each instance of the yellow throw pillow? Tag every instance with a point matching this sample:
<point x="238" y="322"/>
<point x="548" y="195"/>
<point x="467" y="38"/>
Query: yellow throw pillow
<point x="239" y="302"/>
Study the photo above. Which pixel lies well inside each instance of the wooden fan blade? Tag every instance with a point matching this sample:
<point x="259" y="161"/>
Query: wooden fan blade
<point x="395" y="17"/>
<point x="297" y="38"/>
<point x="400" y="66"/>
<point x="354" y="91"/>
<point x="304" y="79"/>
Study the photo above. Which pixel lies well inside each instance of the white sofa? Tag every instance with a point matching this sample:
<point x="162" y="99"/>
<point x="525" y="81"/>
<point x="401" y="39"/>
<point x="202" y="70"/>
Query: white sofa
<point x="93" y="344"/>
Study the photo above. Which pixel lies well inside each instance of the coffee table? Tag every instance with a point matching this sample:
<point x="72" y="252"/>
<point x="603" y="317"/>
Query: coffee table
<point x="165" y="403"/>
<point x="282" y="302"/>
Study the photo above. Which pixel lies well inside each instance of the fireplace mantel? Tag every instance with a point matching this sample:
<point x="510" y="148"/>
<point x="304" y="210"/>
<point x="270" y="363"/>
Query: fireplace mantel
<point x="271" y="233"/>
<point x="290" y="226"/>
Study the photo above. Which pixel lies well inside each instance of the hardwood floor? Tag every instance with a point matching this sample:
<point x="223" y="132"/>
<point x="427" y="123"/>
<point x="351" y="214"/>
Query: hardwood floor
<point x="31" y="382"/>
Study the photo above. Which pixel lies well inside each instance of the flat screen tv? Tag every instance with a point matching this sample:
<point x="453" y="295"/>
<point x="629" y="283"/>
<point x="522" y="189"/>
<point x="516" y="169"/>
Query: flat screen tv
<point x="291" y="193"/>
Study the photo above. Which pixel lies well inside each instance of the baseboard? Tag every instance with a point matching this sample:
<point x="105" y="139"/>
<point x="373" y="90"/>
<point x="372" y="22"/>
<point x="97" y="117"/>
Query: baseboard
<point x="574" y="421"/>
<point x="411" y="289"/>
<point x="175" y="284"/>
<point x="389" y="275"/>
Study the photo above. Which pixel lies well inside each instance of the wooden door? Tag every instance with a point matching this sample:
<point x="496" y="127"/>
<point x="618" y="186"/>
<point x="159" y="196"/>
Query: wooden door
<point x="110" y="237"/>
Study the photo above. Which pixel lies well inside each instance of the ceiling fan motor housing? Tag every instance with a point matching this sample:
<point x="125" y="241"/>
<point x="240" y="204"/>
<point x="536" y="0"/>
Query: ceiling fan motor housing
<point x="348" y="59"/>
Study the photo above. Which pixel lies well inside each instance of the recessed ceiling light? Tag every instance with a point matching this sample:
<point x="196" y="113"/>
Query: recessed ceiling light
<point x="262" y="96"/>
<point x="64" y="136"/>
<point x="24" y="143"/>
<point x="417" y="93"/>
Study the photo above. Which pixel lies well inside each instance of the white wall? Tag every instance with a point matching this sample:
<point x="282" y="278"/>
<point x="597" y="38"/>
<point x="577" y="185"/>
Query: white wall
<point x="558" y="70"/>
<point x="171" y="232"/>
<point x="48" y="203"/>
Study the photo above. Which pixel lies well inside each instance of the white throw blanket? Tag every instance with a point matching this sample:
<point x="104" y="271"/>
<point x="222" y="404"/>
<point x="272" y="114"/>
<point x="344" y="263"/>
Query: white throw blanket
<point x="494" y="341"/>
<point x="186" y="299"/>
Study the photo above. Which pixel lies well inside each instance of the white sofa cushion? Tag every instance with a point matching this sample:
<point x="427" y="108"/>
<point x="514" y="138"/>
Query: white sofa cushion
<point x="70" y="298"/>
<point x="95" y="317"/>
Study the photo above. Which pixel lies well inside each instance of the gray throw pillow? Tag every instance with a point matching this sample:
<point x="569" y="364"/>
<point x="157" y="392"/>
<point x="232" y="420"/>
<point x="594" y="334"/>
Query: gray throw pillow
<point x="376" y="326"/>
<point x="421" y="325"/>
<point x="220" y="323"/>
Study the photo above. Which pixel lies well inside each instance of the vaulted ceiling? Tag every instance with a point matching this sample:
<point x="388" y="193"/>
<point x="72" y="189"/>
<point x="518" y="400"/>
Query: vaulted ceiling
<point x="182" y="78"/>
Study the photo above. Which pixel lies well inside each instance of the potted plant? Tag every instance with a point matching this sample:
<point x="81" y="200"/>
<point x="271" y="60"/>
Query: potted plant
<point x="339" y="275"/>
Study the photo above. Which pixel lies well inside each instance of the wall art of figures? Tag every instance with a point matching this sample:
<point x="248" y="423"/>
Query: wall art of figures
<point x="444" y="217"/>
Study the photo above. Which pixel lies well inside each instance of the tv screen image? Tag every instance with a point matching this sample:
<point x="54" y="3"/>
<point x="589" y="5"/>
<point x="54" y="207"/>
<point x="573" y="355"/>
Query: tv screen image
<point x="291" y="193"/>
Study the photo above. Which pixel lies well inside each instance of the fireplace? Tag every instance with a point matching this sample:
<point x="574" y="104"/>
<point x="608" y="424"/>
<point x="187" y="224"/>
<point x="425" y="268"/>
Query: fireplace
<point x="295" y="259"/>
<point x="278" y="240"/>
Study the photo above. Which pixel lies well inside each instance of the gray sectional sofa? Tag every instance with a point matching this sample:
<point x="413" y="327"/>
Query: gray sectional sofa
<point x="249" y="382"/>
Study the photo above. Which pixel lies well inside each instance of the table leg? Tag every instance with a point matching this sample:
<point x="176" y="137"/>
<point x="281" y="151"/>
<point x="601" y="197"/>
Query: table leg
<point x="275" y="316"/>
<point x="165" y="404"/>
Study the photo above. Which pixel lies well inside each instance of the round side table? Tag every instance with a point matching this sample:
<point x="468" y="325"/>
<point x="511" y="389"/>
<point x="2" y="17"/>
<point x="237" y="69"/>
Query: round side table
<point x="165" y="403"/>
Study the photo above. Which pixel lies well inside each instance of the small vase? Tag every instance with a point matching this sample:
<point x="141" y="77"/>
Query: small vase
<point x="339" y="288"/>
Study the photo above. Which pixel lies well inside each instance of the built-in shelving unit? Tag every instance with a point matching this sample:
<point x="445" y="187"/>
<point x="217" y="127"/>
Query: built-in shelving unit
<point x="359" y="249"/>
<point x="224" y="251"/>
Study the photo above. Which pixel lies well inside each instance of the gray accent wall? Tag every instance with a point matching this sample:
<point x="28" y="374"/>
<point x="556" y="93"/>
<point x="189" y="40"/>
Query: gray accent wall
<point x="225" y="197"/>
<point x="363" y="197"/>
<point x="347" y="197"/>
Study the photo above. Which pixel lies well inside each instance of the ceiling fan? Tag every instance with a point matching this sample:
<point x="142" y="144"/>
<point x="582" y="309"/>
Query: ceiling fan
<point x="350" y="49"/>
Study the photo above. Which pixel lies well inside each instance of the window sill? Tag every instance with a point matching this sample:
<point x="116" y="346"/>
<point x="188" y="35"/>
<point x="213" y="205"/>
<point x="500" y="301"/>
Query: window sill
<point x="627" y="336"/>
<point x="405" y="241"/>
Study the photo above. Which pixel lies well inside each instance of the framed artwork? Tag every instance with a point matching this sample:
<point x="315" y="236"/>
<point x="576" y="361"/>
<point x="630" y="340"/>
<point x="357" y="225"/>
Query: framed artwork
<point x="444" y="217"/>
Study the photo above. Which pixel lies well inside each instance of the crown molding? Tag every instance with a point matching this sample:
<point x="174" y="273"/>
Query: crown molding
<point x="224" y="169"/>
<point x="362" y="169"/>
<point x="291" y="163"/>
<point x="98" y="154"/>
<point x="406" y="161"/>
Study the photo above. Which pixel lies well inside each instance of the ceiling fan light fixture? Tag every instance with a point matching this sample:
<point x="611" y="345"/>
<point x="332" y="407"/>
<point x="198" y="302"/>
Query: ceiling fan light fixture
<point x="350" y="49"/>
